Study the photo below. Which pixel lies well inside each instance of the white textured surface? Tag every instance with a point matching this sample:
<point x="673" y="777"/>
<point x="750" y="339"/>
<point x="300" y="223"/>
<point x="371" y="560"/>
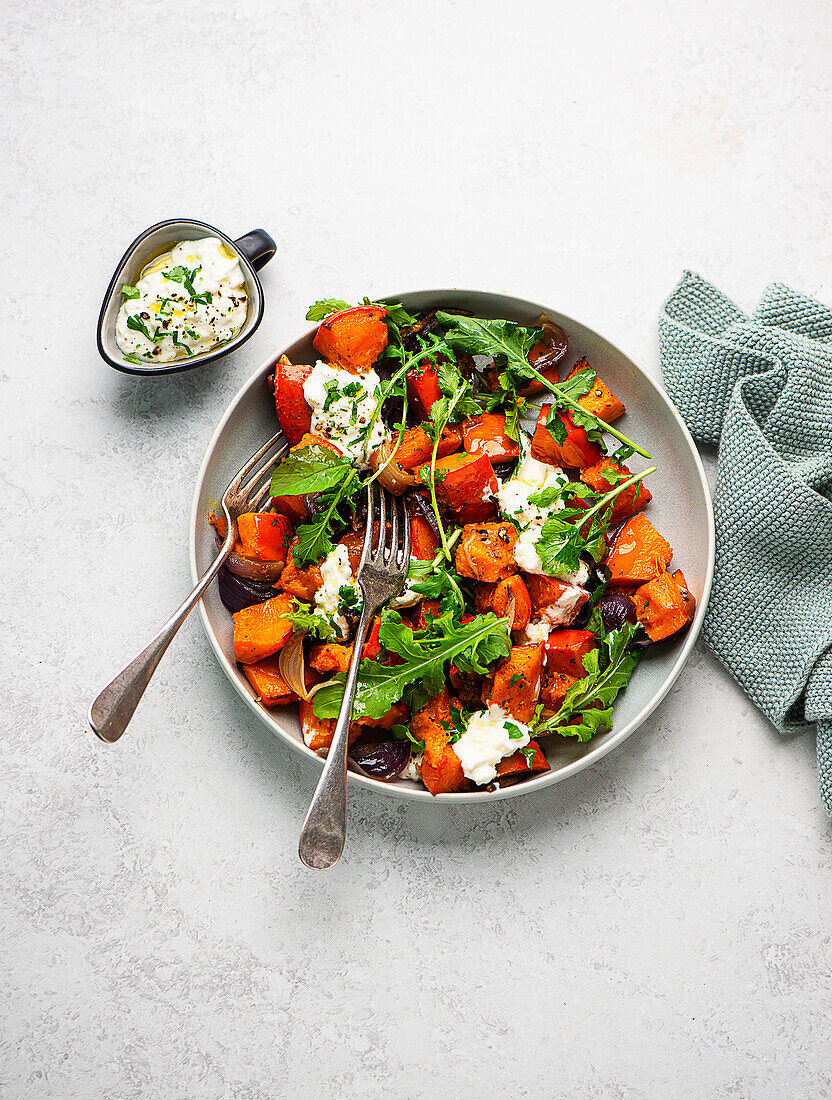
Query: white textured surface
<point x="657" y="927"/>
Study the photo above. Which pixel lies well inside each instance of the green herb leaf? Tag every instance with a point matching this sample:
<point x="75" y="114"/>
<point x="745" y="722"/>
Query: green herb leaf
<point x="424" y="655"/>
<point x="325" y="308"/>
<point x="587" y="705"/>
<point x="306" y="619"/>
<point x="309" y="470"/>
<point x="402" y="733"/>
<point x="130" y="291"/>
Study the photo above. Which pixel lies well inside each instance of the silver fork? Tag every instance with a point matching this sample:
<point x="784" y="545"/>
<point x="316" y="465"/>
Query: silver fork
<point x="115" y="706"/>
<point x="381" y="576"/>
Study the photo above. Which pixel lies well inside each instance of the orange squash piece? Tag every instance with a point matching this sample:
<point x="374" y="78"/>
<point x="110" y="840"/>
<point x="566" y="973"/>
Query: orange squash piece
<point x="516" y="685"/>
<point x="415" y="446"/>
<point x="441" y="769"/>
<point x="577" y="451"/>
<point x="560" y="601"/>
<point x="294" y="414"/>
<point x="496" y="598"/>
<point x="555" y="686"/>
<point x="354" y="338"/>
<point x="486" y="435"/>
<point x="264" y="536"/>
<point x="423" y="387"/>
<point x="301" y="583"/>
<point x="565" y="651"/>
<point x="263" y="629"/>
<point x="267" y="682"/>
<point x="517" y="763"/>
<point x="631" y="500"/>
<point x="661" y="607"/>
<point x="639" y="553"/>
<point x="486" y="551"/>
<point x="600" y="401"/>
<point x="465" y="484"/>
<point x="423" y="540"/>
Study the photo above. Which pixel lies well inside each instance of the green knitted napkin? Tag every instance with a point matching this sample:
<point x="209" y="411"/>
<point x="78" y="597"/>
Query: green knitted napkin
<point x="761" y="387"/>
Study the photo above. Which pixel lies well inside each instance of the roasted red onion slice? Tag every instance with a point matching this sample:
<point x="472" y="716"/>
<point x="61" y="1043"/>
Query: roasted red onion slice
<point x="385" y="760"/>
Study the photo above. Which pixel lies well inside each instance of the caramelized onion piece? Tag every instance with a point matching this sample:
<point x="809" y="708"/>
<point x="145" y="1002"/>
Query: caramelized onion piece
<point x="252" y="569"/>
<point x="293" y="668"/>
<point x="392" y="477"/>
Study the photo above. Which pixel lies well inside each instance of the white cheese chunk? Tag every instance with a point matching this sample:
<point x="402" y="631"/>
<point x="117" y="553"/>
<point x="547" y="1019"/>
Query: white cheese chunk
<point x="487" y="740"/>
<point x="342" y="405"/>
<point x="337" y="574"/>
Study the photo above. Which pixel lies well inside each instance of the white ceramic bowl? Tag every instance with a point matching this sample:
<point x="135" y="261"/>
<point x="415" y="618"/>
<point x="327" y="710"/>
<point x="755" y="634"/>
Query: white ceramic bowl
<point x="681" y="510"/>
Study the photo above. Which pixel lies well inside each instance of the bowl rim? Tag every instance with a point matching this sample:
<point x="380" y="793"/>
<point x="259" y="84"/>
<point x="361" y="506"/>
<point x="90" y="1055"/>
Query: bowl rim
<point x="536" y="783"/>
<point x="205" y="357"/>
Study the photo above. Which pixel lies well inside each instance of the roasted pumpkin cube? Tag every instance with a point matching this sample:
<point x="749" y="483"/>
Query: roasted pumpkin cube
<point x="631" y="500"/>
<point x="497" y="597"/>
<point x="486" y="551"/>
<point x="518" y="763"/>
<point x="264" y="535"/>
<point x="661" y="607"/>
<point x="555" y="686"/>
<point x="600" y="401"/>
<point x="565" y="651"/>
<point x="268" y="683"/>
<point x="423" y="540"/>
<point x="354" y="338"/>
<point x="486" y="435"/>
<point x="639" y="553"/>
<point x="441" y="769"/>
<point x="301" y="583"/>
<point x="465" y="484"/>
<point x="516" y="685"/>
<point x="556" y="601"/>
<point x="294" y="415"/>
<point x="262" y="629"/>
<point x="415" y="446"/>
<point x="423" y="388"/>
<point x="576" y="451"/>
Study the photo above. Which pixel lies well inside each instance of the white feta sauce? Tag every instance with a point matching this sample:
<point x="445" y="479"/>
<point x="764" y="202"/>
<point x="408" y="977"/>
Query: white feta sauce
<point x="190" y="300"/>
<point x="342" y="404"/>
<point x="336" y="572"/>
<point x="487" y="739"/>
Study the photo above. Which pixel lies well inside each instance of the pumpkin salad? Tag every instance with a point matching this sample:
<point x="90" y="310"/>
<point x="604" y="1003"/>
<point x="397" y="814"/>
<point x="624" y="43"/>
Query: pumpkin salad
<point x="535" y="579"/>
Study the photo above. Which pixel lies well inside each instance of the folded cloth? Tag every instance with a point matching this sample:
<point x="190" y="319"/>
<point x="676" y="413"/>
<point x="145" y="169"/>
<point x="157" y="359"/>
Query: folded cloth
<point x="761" y="387"/>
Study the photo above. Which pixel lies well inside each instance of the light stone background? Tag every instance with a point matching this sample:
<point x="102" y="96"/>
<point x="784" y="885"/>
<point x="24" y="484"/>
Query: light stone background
<point x="659" y="926"/>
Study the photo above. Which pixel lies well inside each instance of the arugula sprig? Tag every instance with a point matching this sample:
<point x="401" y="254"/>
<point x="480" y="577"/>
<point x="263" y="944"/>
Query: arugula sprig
<point x="573" y="531"/>
<point x="306" y="620"/>
<point x="587" y="705"/>
<point x="424" y="655"/>
<point x="511" y="342"/>
<point x="316" y="470"/>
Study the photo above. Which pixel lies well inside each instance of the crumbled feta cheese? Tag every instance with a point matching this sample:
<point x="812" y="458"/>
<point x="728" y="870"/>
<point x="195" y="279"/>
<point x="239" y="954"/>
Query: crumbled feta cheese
<point x="529" y="478"/>
<point x="337" y="573"/>
<point x="535" y="633"/>
<point x="562" y="611"/>
<point x="342" y="405"/>
<point x="487" y="739"/>
<point x="527" y="557"/>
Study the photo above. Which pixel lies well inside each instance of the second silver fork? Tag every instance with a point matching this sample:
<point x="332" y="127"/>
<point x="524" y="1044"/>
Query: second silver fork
<point x="381" y="577"/>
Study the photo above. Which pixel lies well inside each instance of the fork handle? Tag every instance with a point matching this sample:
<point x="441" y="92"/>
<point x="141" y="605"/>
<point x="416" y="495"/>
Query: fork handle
<point x="115" y="706"/>
<point x="325" y="828"/>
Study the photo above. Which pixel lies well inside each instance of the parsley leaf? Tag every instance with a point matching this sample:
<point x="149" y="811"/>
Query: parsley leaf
<point x="306" y="619"/>
<point x="130" y="291"/>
